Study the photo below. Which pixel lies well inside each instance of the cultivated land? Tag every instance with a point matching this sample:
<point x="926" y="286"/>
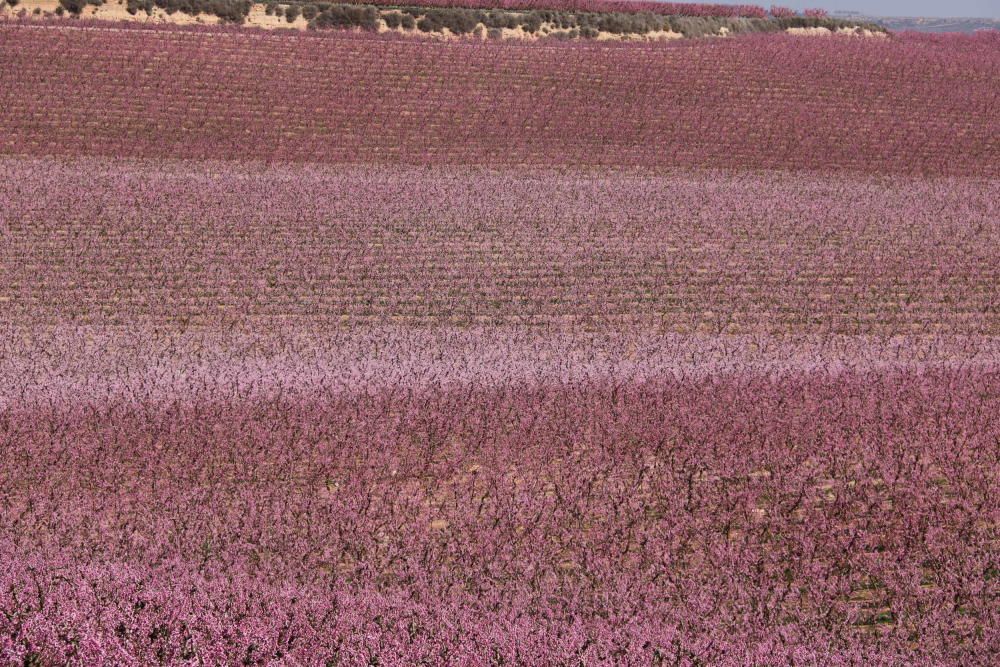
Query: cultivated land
<point x="111" y="242"/>
<point x="912" y="104"/>
<point x="347" y="349"/>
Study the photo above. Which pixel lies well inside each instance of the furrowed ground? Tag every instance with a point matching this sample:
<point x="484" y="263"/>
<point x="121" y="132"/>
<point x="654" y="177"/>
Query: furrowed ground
<point x="340" y="350"/>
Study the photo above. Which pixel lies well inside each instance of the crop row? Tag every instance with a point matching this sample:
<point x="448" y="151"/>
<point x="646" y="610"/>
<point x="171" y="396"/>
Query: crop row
<point x="104" y="242"/>
<point x="901" y="105"/>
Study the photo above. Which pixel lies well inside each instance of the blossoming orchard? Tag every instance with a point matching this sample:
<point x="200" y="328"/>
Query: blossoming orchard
<point x="347" y="347"/>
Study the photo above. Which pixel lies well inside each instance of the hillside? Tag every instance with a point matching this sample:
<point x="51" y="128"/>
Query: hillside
<point x="910" y="105"/>
<point x="332" y="347"/>
<point x="550" y="20"/>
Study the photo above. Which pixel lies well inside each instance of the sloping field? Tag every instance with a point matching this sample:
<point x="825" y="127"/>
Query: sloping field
<point x="96" y="241"/>
<point x="911" y="104"/>
<point x="358" y="351"/>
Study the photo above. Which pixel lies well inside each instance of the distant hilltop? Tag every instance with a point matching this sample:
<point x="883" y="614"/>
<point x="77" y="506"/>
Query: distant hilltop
<point x="923" y="23"/>
<point x="526" y="20"/>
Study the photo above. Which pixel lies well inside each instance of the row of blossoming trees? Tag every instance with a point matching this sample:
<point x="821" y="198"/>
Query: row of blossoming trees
<point x="595" y="6"/>
<point x="625" y="6"/>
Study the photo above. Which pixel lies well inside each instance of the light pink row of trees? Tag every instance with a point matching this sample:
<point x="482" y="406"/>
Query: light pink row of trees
<point x="626" y="6"/>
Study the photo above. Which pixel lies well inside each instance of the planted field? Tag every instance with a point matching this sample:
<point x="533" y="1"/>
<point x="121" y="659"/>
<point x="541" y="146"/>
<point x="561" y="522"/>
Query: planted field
<point x="343" y="350"/>
<point x="917" y="105"/>
<point x="112" y="242"/>
<point x="497" y="497"/>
